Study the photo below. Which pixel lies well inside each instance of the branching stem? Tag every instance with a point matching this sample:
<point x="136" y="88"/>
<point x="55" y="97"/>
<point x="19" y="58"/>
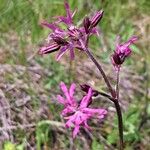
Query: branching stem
<point x="114" y="94"/>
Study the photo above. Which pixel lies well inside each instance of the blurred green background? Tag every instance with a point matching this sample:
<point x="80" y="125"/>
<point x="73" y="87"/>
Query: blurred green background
<point x="29" y="113"/>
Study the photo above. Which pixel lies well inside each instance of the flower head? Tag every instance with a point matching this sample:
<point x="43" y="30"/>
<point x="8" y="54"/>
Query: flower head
<point x="62" y="40"/>
<point x="122" y="51"/>
<point x="78" y="114"/>
<point x="69" y="39"/>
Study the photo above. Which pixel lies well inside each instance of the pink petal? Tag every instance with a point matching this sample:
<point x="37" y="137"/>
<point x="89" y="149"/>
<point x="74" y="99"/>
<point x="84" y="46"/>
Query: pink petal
<point x="68" y="11"/>
<point x="69" y="94"/>
<point x="86" y="99"/>
<point x="62" y="19"/>
<point x="117" y="44"/>
<point x="70" y="121"/>
<point x="128" y="51"/>
<point x="65" y="90"/>
<point x="61" y="99"/>
<point x="76" y="130"/>
<point x="71" y="52"/>
<point x="52" y="26"/>
<point x="78" y="118"/>
<point x="72" y="89"/>
<point x="68" y="110"/>
<point x="86" y="125"/>
<point x="95" y="31"/>
<point x="130" y="41"/>
<point x="61" y="53"/>
<point x="133" y="38"/>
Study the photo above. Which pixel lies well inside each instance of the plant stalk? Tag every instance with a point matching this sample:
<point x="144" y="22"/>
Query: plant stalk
<point x="102" y="73"/>
<point x="117" y="85"/>
<point x="119" y="115"/>
<point x="114" y="98"/>
<point x="120" y="123"/>
<point x="114" y="94"/>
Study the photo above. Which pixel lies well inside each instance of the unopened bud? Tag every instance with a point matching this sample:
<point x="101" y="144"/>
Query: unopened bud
<point x="85" y="88"/>
<point x="86" y="23"/>
<point x="49" y="49"/>
<point x="118" y="59"/>
<point x="59" y="40"/>
<point x="96" y="18"/>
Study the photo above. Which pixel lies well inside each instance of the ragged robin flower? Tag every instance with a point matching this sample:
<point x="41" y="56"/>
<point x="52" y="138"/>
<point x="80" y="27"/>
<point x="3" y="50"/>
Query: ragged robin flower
<point x="78" y="114"/>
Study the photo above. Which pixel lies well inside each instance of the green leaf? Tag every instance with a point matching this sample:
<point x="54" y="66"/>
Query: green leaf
<point x="112" y="137"/>
<point x="135" y="49"/>
<point x="96" y="145"/>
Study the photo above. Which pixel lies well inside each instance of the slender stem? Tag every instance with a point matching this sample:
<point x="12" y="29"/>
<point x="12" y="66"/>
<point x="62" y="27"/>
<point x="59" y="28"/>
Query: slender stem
<point x="120" y="124"/>
<point x="119" y="115"/>
<point x="102" y="72"/>
<point x="117" y="85"/>
<point x="114" y="97"/>
<point x="98" y="66"/>
<point x="115" y="100"/>
<point x="106" y="95"/>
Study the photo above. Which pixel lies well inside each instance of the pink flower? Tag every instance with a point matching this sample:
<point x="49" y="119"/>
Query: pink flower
<point x="62" y="40"/>
<point x="122" y="51"/>
<point x="78" y="114"/>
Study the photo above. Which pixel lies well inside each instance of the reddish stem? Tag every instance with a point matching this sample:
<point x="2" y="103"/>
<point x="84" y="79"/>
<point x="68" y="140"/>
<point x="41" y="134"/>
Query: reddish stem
<point x="114" y="94"/>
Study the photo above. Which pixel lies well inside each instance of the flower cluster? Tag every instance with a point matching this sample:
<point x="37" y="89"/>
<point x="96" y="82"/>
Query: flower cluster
<point x="62" y="40"/>
<point x="75" y="113"/>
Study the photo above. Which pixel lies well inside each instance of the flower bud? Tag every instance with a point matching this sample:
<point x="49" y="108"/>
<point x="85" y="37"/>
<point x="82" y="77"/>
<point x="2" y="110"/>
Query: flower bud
<point x="49" y="49"/>
<point x="96" y="18"/>
<point x="86" y="23"/>
<point x="59" y="40"/>
<point x="118" y="59"/>
<point x="85" y="88"/>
